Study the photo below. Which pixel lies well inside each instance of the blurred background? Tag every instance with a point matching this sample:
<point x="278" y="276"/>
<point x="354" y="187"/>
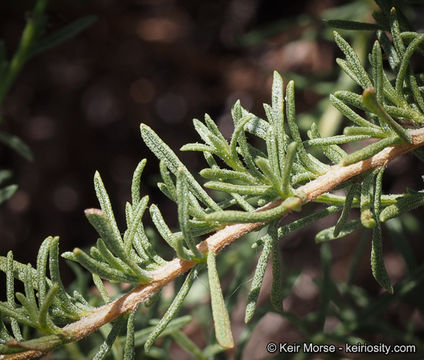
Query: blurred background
<point x="165" y="62"/>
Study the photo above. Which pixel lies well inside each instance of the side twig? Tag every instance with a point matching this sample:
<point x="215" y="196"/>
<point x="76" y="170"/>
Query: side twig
<point x="216" y="242"/>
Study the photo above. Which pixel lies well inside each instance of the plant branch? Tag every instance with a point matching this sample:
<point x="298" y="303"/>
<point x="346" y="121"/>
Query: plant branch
<point x="335" y="176"/>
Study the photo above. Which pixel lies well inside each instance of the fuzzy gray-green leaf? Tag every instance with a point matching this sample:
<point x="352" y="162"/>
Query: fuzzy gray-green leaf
<point x="172" y="310"/>
<point x="369" y="99"/>
<point x="110" y="339"/>
<point x="328" y="234"/>
<point x="136" y="181"/>
<point x="219" y="311"/>
<point x="129" y="348"/>
<point x="370" y="150"/>
<point x="367" y="188"/>
<point x="353" y="61"/>
<point x="403" y="204"/>
<point x="255" y="287"/>
<point x="105" y="204"/>
<point x="164" y="153"/>
<point x="341" y="222"/>
<point x="377" y="260"/>
<point x="10" y="295"/>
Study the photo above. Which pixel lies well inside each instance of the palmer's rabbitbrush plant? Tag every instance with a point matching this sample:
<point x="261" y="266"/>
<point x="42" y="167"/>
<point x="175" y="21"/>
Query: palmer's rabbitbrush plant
<point x="261" y="182"/>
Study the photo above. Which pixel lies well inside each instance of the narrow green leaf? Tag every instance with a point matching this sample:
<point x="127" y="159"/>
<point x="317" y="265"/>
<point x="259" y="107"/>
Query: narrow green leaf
<point x="197" y="147"/>
<point x="367" y="189"/>
<point x="271" y="177"/>
<point x="103" y="270"/>
<point x="395" y="32"/>
<point x="219" y="311"/>
<point x="258" y="277"/>
<point x="303" y="177"/>
<point x="107" y="344"/>
<point x="161" y="226"/>
<point x="338" y="139"/>
<point x="29" y="292"/>
<point x="234" y="216"/>
<point x="42" y="259"/>
<point x="341" y="222"/>
<point x="404" y="204"/>
<point x="214" y="128"/>
<point x="378" y="190"/>
<point x="353" y="61"/>
<point x="56" y="279"/>
<point x="210" y="160"/>
<point x="135" y="222"/>
<point x="225" y="174"/>
<point x="311" y="164"/>
<point x="163" y="152"/>
<point x="348" y="70"/>
<point x="217" y="143"/>
<point x="98" y="282"/>
<point x="172" y="310"/>
<point x="306" y="220"/>
<point x="17" y="317"/>
<point x="413" y="86"/>
<point x="141" y="336"/>
<point x="358" y="130"/>
<point x="4" y="334"/>
<point x="256" y="126"/>
<point x="287" y="170"/>
<point x="102" y="224"/>
<point x="260" y="190"/>
<point x="278" y="115"/>
<point x="370" y="150"/>
<point x="328" y="234"/>
<point x="183" y="215"/>
<point x="106" y="205"/>
<point x="389" y="49"/>
<point x="353" y="99"/>
<point x="377" y="260"/>
<point x="167" y="179"/>
<point x="242" y="202"/>
<point x="43" y="317"/>
<point x="10" y="295"/>
<point x="236" y="111"/>
<point x="333" y="152"/>
<point x="232" y="158"/>
<point x="129" y="349"/>
<point x="377" y="71"/>
<point x="348" y="112"/>
<point x="273" y="156"/>
<point x="136" y="180"/>
<point x="104" y="255"/>
<point x="369" y="99"/>
<point x="404" y="65"/>
<point x="29" y="307"/>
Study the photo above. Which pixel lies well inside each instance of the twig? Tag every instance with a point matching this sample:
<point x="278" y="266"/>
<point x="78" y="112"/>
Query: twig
<point x="216" y="242"/>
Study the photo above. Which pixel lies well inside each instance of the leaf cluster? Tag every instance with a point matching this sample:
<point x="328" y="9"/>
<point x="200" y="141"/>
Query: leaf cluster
<point x="256" y="176"/>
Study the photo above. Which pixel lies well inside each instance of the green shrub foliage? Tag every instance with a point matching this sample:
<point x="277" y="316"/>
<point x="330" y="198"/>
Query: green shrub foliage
<point x="257" y="176"/>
